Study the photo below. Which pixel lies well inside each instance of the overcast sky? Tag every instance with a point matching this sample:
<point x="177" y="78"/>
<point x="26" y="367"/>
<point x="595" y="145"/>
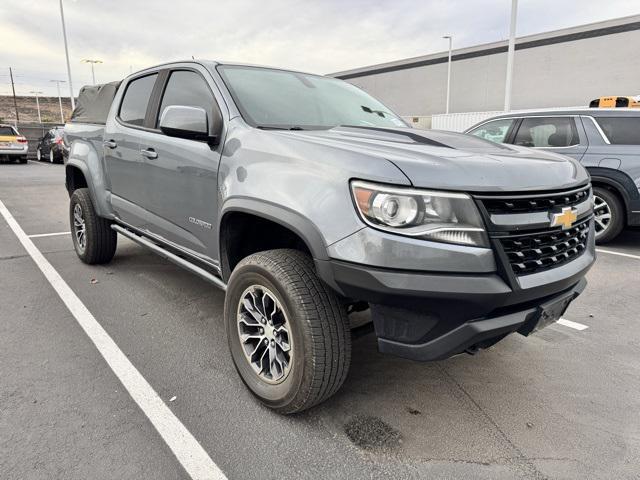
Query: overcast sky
<point x="320" y="36"/>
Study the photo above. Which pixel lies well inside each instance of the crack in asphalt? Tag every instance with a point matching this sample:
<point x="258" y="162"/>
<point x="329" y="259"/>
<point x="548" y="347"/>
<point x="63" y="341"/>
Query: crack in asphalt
<point x="12" y="257"/>
<point x="530" y="468"/>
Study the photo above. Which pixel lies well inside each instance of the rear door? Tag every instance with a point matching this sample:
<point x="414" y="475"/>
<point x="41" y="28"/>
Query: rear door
<point x="559" y="134"/>
<point x="124" y="163"/>
<point x="181" y="175"/>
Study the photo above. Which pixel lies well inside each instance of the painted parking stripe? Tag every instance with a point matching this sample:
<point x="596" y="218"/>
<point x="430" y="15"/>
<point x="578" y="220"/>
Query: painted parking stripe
<point x="40" y="235"/>
<point x="620" y="254"/>
<point x="570" y="324"/>
<point x="184" y="446"/>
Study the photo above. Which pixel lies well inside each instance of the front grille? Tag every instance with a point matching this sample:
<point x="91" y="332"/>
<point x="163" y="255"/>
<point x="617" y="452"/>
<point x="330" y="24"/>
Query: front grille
<point x="535" y="203"/>
<point x="536" y="252"/>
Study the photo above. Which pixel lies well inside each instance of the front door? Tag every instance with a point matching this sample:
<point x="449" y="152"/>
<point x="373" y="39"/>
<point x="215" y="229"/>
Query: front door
<point x="181" y="175"/>
<point x="559" y="134"/>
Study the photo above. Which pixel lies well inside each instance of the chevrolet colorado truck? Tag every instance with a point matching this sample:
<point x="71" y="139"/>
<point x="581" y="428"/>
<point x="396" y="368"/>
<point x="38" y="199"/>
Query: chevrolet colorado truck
<point x="306" y="200"/>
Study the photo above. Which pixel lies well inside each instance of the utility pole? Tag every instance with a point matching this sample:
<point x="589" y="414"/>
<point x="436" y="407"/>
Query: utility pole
<point x="58" y="82"/>
<point x="66" y="52"/>
<point x="15" y="102"/>
<point x="510" y="54"/>
<point x="36" y="93"/>
<point x="449" y="71"/>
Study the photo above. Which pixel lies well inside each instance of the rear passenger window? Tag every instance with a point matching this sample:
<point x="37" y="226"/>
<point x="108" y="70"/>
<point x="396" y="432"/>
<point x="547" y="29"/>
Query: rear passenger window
<point x="547" y="132"/>
<point x="621" y="130"/>
<point x="134" y="104"/>
<point x="188" y="89"/>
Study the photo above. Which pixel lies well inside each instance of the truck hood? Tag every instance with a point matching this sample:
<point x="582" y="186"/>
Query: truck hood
<point x="452" y="161"/>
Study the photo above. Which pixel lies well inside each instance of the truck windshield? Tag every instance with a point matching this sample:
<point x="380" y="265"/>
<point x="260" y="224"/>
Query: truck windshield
<point x="270" y="98"/>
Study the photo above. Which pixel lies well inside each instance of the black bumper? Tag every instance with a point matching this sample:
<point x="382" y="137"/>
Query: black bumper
<point x="432" y="316"/>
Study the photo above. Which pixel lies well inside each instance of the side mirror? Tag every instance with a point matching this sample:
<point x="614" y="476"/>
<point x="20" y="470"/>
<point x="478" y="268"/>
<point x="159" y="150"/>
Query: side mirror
<point x="185" y="122"/>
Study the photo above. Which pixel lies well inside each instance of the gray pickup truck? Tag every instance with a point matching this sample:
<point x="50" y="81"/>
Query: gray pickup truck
<point x="307" y="200"/>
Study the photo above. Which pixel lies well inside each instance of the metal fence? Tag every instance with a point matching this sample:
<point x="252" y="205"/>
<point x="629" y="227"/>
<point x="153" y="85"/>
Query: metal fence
<point x="34" y="132"/>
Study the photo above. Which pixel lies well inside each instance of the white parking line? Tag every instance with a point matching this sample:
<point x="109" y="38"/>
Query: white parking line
<point x="184" y="446"/>
<point x="620" y="254"/>
<point x="570" y="324"/>
<point x="40" y="235"/>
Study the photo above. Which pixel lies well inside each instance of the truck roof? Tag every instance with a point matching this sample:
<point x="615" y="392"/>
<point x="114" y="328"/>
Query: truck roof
<point x="213" y="63"/>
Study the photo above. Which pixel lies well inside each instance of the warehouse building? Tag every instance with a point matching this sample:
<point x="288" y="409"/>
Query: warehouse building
<point x="566" y="67"/>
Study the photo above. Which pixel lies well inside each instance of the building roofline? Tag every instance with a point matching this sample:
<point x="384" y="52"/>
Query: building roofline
<point x="591" y="30"/>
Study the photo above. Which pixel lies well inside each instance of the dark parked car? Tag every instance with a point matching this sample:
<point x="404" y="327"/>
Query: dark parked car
<point x="51" y="147"/>
<point x="605" y="141"/>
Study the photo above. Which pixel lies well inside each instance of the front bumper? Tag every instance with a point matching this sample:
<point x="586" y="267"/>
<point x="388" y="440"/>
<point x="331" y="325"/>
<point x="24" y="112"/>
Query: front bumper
<point x="434" y="315"/>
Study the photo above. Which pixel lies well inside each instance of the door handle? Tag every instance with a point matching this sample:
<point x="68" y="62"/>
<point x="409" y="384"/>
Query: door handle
<point x="110" y="143"/>
<point x="149" y="153"/>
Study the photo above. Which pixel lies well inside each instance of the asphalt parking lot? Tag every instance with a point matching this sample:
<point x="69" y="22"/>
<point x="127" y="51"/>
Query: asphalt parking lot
<point x="563" y="403"/>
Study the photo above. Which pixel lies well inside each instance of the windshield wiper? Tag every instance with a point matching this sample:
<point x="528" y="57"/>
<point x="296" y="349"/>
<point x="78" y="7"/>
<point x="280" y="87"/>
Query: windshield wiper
<point x="274" y="127"/>
<point x="380" y="113"/>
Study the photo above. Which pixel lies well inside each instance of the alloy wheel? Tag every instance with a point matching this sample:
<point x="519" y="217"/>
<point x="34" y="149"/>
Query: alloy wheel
<point x="39" y="155"/>
<point x="79" y="227"/>
<point x="263" y="329"/>
<point x="51" y="159"/>
<point x="602" y="215"/>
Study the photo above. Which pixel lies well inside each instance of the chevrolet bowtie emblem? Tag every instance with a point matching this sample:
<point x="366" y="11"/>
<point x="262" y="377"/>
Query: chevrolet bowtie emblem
<point x="566" y="218"/>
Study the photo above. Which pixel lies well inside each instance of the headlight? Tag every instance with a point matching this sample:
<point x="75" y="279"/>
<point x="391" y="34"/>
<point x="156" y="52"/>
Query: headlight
<point x="437" y="216"/>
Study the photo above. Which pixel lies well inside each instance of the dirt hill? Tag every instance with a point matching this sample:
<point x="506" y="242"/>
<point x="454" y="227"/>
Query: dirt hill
<point x="49" y="109"/>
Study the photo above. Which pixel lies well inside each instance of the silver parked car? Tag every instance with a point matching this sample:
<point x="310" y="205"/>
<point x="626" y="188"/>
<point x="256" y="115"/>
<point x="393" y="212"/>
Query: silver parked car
<point x="605" y="141"/>
<point x="13" y="146"/>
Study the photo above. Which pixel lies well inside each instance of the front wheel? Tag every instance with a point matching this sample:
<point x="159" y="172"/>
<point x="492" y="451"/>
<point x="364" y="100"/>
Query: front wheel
<point x="93" y="238"/>
<point x="608" y="215"/>
<point x="288" y="333"/>
<point x="39" y="154"/>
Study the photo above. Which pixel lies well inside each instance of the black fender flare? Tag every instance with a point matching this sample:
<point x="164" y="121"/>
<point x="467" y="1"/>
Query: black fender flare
<point x="290" y="219"/>
<point x="620" y="182"/>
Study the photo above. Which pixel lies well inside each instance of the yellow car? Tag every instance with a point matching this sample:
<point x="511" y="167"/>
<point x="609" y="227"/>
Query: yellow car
<point x="13" y="146"/>
<point x="613" y="102"/>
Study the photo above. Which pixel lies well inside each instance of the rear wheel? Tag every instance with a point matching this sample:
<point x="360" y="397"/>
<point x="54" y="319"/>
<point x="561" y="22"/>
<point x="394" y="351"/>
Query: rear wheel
<point x="39" y="154"/>
<point x="608" y="214"/>
<point x="288" y="333"/>
<point x="93" y="239"/>
<point x="52" y="158"/>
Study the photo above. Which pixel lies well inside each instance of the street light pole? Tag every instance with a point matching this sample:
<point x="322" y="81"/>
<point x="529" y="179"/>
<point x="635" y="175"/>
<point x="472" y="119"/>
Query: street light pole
<point x="37" y="104"/>
<point x="92" y="62"/>
<point x="510" y="54"/>
<point x="450" y="38"/>
<point x="58" y="82"/>
<point x="66" y="52"/>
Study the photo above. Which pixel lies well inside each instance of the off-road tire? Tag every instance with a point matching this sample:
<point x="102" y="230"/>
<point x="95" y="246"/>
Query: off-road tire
<point x="318" y="322"/>
<point x="617" y="214"/>
<point x="101" y="240"/>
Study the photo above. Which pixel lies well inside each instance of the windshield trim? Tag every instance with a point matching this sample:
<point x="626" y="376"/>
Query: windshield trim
<point x="298" y="126"/>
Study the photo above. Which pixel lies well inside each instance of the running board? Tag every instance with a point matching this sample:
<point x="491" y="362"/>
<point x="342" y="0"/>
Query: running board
<point x="181" y="262"/>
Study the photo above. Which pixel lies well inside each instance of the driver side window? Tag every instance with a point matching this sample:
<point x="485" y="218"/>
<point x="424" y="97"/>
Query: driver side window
<point x="495" y="131"/>
<point x="189" y="89"/>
